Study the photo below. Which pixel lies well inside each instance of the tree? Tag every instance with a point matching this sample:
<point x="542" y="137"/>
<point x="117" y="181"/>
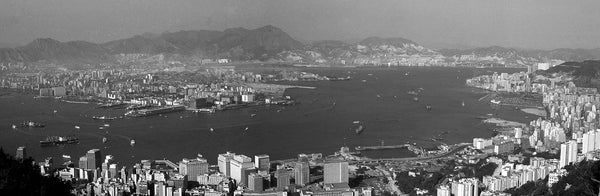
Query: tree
<point x="20" y="177"/>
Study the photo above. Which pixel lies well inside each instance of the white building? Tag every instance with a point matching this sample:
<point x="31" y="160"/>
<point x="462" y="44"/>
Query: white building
<point x="238" y="166"/>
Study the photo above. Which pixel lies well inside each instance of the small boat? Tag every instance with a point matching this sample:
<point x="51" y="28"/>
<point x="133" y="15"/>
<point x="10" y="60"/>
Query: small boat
<point x="55" y="111"/>
<point x="463" y="104"/>
<point x="211" y="129"/>
<point x="77" y="127"/>
<point x="66" y="156"/>
<point x="106" y="125"/>
<point x="428" y="107"/>
<point x="412" y="93"/>
<point x="278" y="110"/>
<point x="378" y="96"/>
<point x="246" y="129"/>
<point x="104" y="140"/>
<point x="356" y="121"/>
<point x="132" y="142"/>
<point x="415" y="99"/>
<point x="364" y="80"/>
<point x="14" y="126"/>
<point x="252" y="115"/>
<point x="407" y="73"/>
<point x="101" y="128"/>
<point x="359" y="130"/>
<point x="495" y="101"/>
<point x="370" y="74"/>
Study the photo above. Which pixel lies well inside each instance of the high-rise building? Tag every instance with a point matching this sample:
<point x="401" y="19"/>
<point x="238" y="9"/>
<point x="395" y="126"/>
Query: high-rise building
<point x="283" y="178"/>
<point x="193" y="168"/>
<point x="590" y="141"/>
<point x="335" y="172"/>
<point x="255" y="182"/>
<point x="465" y="187"/>
<point x="443" y="190"/>
<point x="568" y="153"/>
<point x="112" y="170"/>
<point x="302" y="173"/>
<point x="224" y="162"/>
<point x="94" y="159"/>
<point x="262" y="163"/>
<point x="21" y="153"/>
<point x="238" y="168"/>
<point x="83" y="162"/>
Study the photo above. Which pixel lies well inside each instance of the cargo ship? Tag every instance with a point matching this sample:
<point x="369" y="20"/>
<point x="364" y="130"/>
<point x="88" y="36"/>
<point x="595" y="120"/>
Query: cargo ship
<point x="333" y="78"/>
<point x="32" y="124"/>
<point x="58" y="140"/>
<point x="154" y="111"/>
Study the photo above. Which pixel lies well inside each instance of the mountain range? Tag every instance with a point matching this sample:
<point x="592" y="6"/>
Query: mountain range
<point x="272" y="43"/>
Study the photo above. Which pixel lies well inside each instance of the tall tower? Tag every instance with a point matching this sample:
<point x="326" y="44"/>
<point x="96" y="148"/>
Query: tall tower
<point x="302" y="173"/>
<point x="94" y="159"/>
<point x="336" y="172"/>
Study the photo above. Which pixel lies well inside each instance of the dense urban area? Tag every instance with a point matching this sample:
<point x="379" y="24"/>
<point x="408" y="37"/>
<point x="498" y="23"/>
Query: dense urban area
<point x="546" y="156"/>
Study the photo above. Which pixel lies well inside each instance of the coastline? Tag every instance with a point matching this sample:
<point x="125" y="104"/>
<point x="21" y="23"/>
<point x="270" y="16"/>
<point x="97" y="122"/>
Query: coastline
<point x="503" y="123"/>
<point x="535" y="111"/>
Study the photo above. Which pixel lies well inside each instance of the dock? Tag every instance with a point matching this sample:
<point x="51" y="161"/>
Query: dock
<point x="361" y="148"/>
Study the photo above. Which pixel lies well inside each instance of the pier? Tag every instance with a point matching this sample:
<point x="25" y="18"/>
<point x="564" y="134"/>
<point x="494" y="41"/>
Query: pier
<point x="361" y="148"/>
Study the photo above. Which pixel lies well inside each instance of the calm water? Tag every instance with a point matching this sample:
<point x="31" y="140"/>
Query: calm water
<point x="315" y="125"/>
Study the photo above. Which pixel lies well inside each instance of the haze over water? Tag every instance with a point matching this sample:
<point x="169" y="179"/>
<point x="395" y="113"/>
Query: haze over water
<point x="316" y="125"/>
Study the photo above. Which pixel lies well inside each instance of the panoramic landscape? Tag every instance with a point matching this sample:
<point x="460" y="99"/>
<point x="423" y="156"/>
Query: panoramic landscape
<point x="299" y="98"/>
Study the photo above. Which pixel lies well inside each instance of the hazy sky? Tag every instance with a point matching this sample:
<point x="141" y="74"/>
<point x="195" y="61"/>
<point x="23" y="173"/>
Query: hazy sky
<point x="517" y="23"/>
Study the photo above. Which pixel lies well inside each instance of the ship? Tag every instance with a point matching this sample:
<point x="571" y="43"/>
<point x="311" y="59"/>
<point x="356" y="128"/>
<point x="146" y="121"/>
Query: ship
<point x="59" y="140"/>
<point x="333" y="78"/>
<point x="412" y="93"/>
<point x="32" y="124"/>
<point x="103" y="118"/>
<point x="359" y="130"/>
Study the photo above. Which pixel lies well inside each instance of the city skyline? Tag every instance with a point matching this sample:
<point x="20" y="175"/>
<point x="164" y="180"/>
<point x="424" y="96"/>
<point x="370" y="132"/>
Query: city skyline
<point x="520" y="24"/>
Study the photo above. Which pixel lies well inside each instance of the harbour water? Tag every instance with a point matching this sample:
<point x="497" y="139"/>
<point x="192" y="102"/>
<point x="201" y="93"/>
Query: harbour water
<point x="321" y="123"/>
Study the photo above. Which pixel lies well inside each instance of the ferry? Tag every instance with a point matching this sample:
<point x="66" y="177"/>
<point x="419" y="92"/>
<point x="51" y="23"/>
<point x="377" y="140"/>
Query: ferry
<point x="66" y="156"/>
<point x="103" y="118"/>
<point x="412" y="93"/>
<point x="106" y="125"/>
<point x="32" y="124"/>
<point x="57" y="140"/>
<point x="495" y="102"/>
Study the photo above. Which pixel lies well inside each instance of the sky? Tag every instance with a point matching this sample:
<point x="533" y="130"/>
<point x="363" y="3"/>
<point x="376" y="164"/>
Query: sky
<point x="531" y="24"/>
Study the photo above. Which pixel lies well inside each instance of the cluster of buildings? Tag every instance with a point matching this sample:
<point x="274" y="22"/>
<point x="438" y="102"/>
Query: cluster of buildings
<point x="234" y="174"/>
<point x="570" y="131"/>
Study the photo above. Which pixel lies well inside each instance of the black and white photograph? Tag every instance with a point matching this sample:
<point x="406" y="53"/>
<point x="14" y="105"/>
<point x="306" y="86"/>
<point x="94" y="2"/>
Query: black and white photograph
<point x="299" y="97"/>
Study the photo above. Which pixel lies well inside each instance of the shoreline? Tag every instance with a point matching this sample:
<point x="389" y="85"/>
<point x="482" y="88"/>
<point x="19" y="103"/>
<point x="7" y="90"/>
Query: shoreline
<point x="503" y="123"/>
<point x="535" y="111"/>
